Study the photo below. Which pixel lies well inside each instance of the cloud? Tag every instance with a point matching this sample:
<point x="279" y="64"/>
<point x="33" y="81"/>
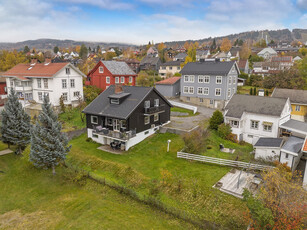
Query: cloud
<point x="302" y="4"/>
<point x="185" y="3"/>
<point x="103" y="4"/>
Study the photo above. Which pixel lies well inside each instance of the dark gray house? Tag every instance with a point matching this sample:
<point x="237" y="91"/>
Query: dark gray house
<point x="209" y="83"/>
<point x="123" y="116"/>
<point x="169" y="87"/>
<point x="150" y="63"/>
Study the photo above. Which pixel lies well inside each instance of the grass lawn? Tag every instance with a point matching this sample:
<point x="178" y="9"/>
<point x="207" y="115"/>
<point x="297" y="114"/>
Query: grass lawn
<point x="148" y="169"/>
<point x="246" y="89"/>
<point x="3" y="146"/>
<point x="182" y="110"/>
<point x="71" y="120"/>
<point x="34" y="199"/>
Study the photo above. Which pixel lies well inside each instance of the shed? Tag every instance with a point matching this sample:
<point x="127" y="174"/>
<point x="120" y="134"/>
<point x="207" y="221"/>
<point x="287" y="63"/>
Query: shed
<point x="169" y="87"/>
<point x="268" y="148"/>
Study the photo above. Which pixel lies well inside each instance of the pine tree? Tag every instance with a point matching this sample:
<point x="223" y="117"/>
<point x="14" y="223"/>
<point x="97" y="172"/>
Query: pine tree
<point x="251" y="91"/>
<point x="216" y="119"/>
<point x="48" y="145"/>
<point x="255" y="91"/>
<point x="15" y="126"/>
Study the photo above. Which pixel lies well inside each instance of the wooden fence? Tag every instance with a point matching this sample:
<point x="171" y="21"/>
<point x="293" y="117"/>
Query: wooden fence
<point x="219" y="161"/>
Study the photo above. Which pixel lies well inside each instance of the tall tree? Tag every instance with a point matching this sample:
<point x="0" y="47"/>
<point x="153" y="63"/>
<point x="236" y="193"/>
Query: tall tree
<point x="226" y="45"/>
<point x="56" y="49"/>
<point x="49" y="146"/>
<point x="213" y="45"/>
<point x="245" y="51"/>
<point x="15" y="126"/>
<point x="83" y="52"/>
<point x="10" y="59"/>
<point x="26" y="49"/>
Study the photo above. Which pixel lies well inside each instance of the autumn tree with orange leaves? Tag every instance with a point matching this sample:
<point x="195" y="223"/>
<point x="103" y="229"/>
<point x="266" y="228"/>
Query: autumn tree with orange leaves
<point x="226" y="45"/>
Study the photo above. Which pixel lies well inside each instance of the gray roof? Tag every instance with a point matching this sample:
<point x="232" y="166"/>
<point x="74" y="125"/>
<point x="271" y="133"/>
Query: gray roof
<point x="134" y="96"/>
<point x="268" y="49"/>
<point x="202" y="52"/>
<point x="295" y="95"/>
<point x="293" y="144"/>
<point x="181" y="56"/>
<point x="207" y="67"/>
<point x="269" y="142"/>
<point x="239" y="104"/>
<point x="150" y="60"/>
<point x="172" y="63"/>
<point x="118" y="68"/>
<point x="295" y="125"/>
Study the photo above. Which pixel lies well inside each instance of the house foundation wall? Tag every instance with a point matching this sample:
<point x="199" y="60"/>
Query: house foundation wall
<point x="217" y="104"/>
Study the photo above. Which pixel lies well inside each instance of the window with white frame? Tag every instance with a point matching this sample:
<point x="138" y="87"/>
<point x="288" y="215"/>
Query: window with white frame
<point x="156" y="116"/>
<point x="46" y="83"/>
<point x="217" y="92"/>
<point x="46" y="94"/>
<point x="67" y="70"/>
<point x="100" y="69"/>
<point x="146" y="120"/>
<point x="64" y="95"/>
<point x="211" y="101"/>
<point x="191" y="78"/>
<point x="94" y="120"/>
<point x="40" y="96"/>
<point x="76" y="93"/>
<point x="64" y="83"/>
<point x="206" y="79"/>
<point x="130" y="79"/>
<point x="186" y="78"/>
<point x="39" y="83"/>
<point x="72" y="83"/>
<point x="230" y="80"/>
<point x="229" y="92"/>
<point x="297" y="108"/>
<point x="114" y="101"/>
<point x="122" y="80"/>
<point x="206" y="91"/>
<point x="156" y="102"/>
<point x="254" y="124"/>
<point x="234" y="79"/>
<point x="146" y="104"/>
<point x="200" y="79"/>
<point x="234" y="124"/>
<point x="108" y="80"/>
<point x="186" y="89"/>
<point x="267" y="127"/>
<point x="200" y="90"/>
<point x="116" y="79"/>
<point x="191" y="90"/>
<point x="11" y="83"/>
<point x="218" y="79"/>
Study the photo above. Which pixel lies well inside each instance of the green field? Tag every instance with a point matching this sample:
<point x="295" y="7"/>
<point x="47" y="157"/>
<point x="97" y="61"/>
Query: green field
<point x="71" y="120"/>
<point x="34" y="199"/>
<point x="246" y="89"/>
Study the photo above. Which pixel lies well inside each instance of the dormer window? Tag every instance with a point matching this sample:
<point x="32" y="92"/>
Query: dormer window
<point x="114" y="101"/>
<point x="100" y="69"/>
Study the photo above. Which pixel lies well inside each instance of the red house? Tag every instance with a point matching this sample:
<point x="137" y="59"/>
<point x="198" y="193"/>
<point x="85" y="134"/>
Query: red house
<point x="3" y="90"/>
<point x="107" y="73"/>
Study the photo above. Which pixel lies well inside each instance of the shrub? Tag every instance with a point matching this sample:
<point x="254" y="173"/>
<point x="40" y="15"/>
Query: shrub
<point x="224" y="131"/>
<point x="195" y="141"/>
<point x="251" y="91"/>
<point x="216" y="119"/>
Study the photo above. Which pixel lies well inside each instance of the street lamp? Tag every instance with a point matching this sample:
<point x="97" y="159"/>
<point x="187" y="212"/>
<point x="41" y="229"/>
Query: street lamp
<point x="168" y="142"/>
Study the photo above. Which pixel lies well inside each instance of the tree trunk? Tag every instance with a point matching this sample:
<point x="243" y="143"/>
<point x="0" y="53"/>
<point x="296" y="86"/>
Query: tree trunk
<point x="53" y="170"/>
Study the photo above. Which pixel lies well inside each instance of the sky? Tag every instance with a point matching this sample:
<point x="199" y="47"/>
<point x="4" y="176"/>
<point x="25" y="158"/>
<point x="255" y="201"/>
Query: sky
<point x="140" y="21"/>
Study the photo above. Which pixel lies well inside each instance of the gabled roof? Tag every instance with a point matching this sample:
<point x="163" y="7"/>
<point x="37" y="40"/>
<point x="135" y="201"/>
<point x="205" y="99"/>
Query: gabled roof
<point x="171" y="63"/>
<point x="269" y="50"/>
<point x="207" y="67"/>
<point x="296" y="96"/>
<point x="134" y="96"/>
<point x="118" y="68"/>
<point x="234" y="50"/>
<point x="240" y="103"/>
<point x="282" y="59"/>
<point x="37" y="70"/>
<point x="269" y="142"/>
<point x="202" y="52"/>
<point x="242" y="64"/>
<point x="181" y="56"/>
<point x="150" y="60"/>
<point x="295" y="126"/>
<point x="169" y="81"/>
<point x="293" y="145"/>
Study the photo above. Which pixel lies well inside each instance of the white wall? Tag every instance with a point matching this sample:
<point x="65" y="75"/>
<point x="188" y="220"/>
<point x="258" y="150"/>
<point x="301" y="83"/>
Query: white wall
<point x="269" y="154"/>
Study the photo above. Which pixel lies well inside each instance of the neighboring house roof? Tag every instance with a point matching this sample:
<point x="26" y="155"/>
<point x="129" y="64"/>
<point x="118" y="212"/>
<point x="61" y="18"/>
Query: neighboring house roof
<point x="239" y="104"/>
<point x="150" y="60"/>
<point x="297" y="58"/>
<point x="282" y="59"/>
<point x="242" y="64"/>
<point x="269" y="142"/>
<point x="234" y="51"/>
<point x="37" y="70"/>
<point x="169" y="81"/>
<point x="118" y="68"/>
<point x="293" y="145"/>
<point x="134" y="96"/>
<point x="207" y="67"/>
<point x="2" y="79"/>
<point x="181" y="56"/>
<point x="296" y="95"/>
<point x="202" y="52"/>
<point x="296" y="126"/>
<point x="220" y="55"/>
<point x="172" y="63"/>
<point x="268" y="49"/>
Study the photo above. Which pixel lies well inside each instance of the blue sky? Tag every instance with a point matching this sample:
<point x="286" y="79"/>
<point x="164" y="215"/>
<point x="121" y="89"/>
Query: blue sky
<point x="140" y="21"/>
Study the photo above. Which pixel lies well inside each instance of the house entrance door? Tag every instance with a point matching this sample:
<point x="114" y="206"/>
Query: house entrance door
<point x="116" y="125"/>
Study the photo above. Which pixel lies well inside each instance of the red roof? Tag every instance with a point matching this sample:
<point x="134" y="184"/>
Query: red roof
<point x="305" y="146"/>
<point x="37" y="70"/>
<point x="242" y="64"/>
<point x="168" y="81"/>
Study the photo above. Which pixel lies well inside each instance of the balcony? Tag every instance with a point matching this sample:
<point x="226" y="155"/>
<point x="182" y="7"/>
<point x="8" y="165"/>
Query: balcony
<point x="122" y="136"/>
<point x="23" y="88"/>
<point x="155" y="109"/>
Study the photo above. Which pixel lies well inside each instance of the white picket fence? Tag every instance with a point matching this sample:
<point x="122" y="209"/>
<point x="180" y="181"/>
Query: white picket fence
<point x="219" y="161"/>
<point x="185" y="106"/>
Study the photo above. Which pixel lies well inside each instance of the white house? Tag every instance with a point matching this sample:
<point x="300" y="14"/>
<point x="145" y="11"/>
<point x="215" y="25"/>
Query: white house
<point x="34" y="81"/>
<point x="252" y="117"/>
<point x="169" y="68"/>
<point x="267" y="53"/>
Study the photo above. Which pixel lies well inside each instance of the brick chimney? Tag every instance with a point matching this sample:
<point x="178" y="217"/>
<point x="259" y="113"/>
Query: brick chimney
<point x="118" y="88"/>
<point x="33" y="61"/>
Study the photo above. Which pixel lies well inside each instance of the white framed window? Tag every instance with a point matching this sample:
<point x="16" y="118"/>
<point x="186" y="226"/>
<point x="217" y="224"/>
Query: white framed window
<point x="229" y="92"/>
<point x="12" y="83"/>
<point x="146" y="104"/>
<point x="230" y="80"/>
<point x="191" y="90"/>
<point x="234" y="79"/>
<point x="206" y="79"/>
<point x="200" y="90"/>
<point x="46" y="95"/>
<point x="64" y="96"/>
<point x="40" y="96"/>
<point x="64" y="83"/>
<point x="254" y="124"/>
<point x="156" y="102"/>
<point x="267" y="128"/>
<point x="156" y="116"/>
<point x="108" y="80"/>
<point x="234" y="90"/>
<point x="297" y="108"/>
<point x="234" y="124"/>
<point x="191" y="78"/>
<point x="39" y="83"/>
<point x="211" y="101"/>
<point x="186" y="89"/>
<point x="206" y="91"/>
<point x="67" y="70"/>
<point x="116" y="79"/>
<point x="72" y="83"/>
<point x="122" y="80"/>
<point x="218" y="79"/>
<point x="100" y="69"/>
<point x="186" y="78"/>
<point x="94" y="120"/>
<point x="146" y="120"/>
<point x="200" y="79"/>
<point x="218" y="92"/>
<point x="114" y="101"/>
<point x="130" y="79"/>
<point x="46" y="83"/>
<point x="76" y="93"/>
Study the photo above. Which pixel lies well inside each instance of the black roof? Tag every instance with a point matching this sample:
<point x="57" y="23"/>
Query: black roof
<point x="207" y="67"/>
<point x="134" y="97"/>
<point x="171" y="63"/>
<point x="269" y="142"/>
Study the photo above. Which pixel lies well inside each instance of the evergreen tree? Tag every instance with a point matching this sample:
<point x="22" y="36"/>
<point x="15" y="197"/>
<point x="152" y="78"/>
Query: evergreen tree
<point x="48" y="145"/>
<point x="251" y="91"/>
<point x="255" y="91"/>
<point x="15" y="126"/>
<point x="26" y="49"/>
<point x="56" y="49"/>
<point x="216" y="119"/>
<point x="213" y="45"/>
<point x="83" y="52"/>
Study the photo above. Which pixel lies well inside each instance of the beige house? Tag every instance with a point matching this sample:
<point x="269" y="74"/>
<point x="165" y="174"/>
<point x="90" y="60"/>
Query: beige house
<point x="168" y="69"/>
